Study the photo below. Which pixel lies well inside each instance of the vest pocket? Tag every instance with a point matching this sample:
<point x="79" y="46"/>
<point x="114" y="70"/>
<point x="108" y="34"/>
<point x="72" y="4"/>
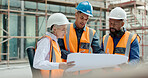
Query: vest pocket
<point x="119" y="50"/>
<point x="84" y="45"/>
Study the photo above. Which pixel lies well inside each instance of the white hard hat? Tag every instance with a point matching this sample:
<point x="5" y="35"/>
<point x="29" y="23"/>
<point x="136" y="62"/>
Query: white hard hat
<point x="117" y="13"/>
<point x="58" y="19"/>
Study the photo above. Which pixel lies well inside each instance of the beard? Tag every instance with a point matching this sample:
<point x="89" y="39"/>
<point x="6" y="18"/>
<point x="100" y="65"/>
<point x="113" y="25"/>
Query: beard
<point x="114" y="33"/>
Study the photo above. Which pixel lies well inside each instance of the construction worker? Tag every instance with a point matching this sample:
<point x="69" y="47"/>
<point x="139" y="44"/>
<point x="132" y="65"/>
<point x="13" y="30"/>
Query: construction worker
<point x="119" y="41"/>
<point x="48" y="54"/>
<point x="79" y="37"/>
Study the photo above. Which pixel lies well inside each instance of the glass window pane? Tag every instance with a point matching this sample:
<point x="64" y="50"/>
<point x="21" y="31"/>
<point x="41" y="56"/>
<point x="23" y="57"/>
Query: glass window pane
<point x="13" y="48"/>
<point x="42" y="26"/>
<point x="102" y="14"/>
<point x="72" y="10"/>
<point x="62" y="9"/>
<point x="13" y="32"/>
<point x="30" y="5"/>
<point x="15" y="3"/>
<point x="41" y="6"/>
<point x="13" y="25"/>
<point x="4" y="2"/>
<point x="54" y="8"/>
<point x="30" y="30"/>
<point x="68" y="9"/>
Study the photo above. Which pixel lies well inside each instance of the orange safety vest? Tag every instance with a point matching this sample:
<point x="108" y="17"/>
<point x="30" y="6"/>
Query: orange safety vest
<point x="71" y="41"/>
<point x="55" y="56"/>
<point x="123" y="46"/>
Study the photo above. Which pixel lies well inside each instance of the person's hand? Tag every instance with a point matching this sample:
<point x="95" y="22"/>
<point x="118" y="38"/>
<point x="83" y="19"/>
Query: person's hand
<point x="65" y="65"/>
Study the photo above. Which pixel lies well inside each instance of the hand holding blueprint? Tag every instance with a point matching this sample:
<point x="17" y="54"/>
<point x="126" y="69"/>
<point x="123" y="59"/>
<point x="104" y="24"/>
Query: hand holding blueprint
<point x="85" y="61"/>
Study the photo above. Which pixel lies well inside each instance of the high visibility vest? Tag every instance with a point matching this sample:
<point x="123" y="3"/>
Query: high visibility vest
<point x="123" y="46"/>
<point x="138" y="37"/>
<point x="55" y="56"/>
<point x="71" y="41"/>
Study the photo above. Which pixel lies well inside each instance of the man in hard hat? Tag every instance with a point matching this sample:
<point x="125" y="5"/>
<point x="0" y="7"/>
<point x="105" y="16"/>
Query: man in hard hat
<point x="119" y="41"/>
<point x="79" y="37"/>
<point x="48" y="55"/>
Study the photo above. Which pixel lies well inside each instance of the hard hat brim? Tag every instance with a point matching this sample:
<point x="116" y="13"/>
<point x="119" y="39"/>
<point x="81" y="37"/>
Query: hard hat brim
<point x="59" y="24"/>
<point x="86" y="13"/>
<point x="116" y="18"/>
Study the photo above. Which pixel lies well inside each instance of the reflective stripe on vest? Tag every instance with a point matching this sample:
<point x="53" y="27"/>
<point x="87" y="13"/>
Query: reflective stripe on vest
<point x="66" y="39"/>
<point x="71" y="41"/>
<point x="131" y="37"/>
<point x="127" y="50"/>
<point x="90" y="38"/>
<point x="105" y="42"/>
<point x="53" y="55"/>
<point x="52" y="49"/>
<point x="138" y="37"/>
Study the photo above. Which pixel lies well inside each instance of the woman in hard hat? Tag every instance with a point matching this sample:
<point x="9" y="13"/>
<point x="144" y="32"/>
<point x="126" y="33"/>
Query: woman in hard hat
<point x="48" y="53"/>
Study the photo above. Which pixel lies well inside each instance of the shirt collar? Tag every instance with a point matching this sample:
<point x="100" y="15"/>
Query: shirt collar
<point x="53" y="37"/>
<point x="74" y="25"/>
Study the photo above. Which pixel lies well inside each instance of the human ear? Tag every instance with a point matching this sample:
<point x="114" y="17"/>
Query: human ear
<point x="54" y="29"/>
<point x="123" y="24"/>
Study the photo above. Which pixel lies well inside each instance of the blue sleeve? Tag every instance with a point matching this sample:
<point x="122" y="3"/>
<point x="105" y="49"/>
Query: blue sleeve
<point x="95" y="44"/>
<point x="134" y="57"/>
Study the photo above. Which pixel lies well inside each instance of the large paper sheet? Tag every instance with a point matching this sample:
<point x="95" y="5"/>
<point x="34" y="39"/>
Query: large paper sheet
<point x="87" y="61"/>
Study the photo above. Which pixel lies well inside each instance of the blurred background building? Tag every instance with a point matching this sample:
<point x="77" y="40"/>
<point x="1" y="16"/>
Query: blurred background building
<point x="23" y="22"/>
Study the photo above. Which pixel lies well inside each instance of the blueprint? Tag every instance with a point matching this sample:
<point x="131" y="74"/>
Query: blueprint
<point x="85" y="61"/>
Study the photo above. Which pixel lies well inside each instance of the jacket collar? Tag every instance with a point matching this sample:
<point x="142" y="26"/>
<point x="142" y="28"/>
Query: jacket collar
<point x="53" y="37"/>
<point x="74" y="25"/>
